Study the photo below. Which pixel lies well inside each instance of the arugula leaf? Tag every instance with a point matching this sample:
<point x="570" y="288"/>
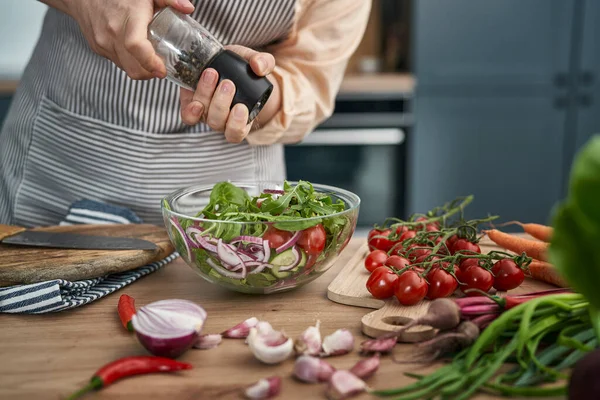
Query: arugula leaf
<point x="280" y="204"/>
<point x="576" y="225"/>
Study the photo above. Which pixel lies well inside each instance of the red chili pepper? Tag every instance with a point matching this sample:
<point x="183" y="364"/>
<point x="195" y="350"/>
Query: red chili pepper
<point x="126" y="309"/>
<point x="129" y="366"/>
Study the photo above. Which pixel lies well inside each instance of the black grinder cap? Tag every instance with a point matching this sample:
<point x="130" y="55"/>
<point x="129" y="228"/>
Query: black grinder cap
<point x="250" y="89"/>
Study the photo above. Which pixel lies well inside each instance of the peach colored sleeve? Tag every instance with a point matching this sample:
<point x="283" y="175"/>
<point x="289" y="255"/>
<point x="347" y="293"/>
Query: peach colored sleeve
<point x="310" y="66"/>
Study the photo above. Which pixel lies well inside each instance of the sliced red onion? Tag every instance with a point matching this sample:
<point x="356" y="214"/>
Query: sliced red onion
<point x="255" y="248"/>
<point x="227" y="273"/>
<point x="209" y="341"/>
<point x="273" y="191"/>
<point x="177" y="226"/>
<point x="246" y="255"/>
<point x="312" y="370"/>
<point x="289" y="243"/>
<point x="201" y="240"/>
<point x="268" y="345"/>
<point x="168" y="328"/>
<point x="241" y="330"/>
<point x="247" y="239"/>
<point x="260" y="268"/>
<point x="338" y="343"/>
<point x="267" y="251"/>
<point x="366" y="367"/>
<point x="297" y="258"/>
<point x="264" y="388"/>
<point x="344" y="384"/>
<point x="309" y="343"/>
<point x="227" y="255"/>
<point x="191" y="232"/>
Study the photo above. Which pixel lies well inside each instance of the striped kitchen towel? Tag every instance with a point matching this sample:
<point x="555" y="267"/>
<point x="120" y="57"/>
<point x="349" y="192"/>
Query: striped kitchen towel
<point x="58" y="295"/>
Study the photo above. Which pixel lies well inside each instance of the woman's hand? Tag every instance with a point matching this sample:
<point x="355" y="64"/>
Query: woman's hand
<point x="212" y="104"/>
<point x="117" y="30"/>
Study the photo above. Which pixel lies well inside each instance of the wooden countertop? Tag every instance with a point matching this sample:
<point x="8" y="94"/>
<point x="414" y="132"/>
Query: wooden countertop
<point x="48" y="356"/>
<point x="352" y="84"/>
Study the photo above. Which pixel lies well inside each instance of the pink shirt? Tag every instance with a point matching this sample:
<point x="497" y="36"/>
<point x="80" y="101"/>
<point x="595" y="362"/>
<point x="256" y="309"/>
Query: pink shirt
<point x="310" y="66"/>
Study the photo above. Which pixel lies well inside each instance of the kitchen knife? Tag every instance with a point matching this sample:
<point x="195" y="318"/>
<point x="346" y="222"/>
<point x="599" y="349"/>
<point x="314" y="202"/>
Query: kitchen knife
<point x="15" y="235"/>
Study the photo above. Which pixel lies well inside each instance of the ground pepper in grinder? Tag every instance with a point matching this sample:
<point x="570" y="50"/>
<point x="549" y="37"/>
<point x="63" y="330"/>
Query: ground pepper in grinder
<point x="187" y="49"/>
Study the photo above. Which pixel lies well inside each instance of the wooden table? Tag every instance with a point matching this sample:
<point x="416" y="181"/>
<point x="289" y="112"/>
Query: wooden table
<point x="48" y="356"/>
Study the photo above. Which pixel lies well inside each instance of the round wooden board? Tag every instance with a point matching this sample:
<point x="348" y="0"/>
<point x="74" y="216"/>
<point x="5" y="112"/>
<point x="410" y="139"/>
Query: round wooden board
<point x="25" y="264"/>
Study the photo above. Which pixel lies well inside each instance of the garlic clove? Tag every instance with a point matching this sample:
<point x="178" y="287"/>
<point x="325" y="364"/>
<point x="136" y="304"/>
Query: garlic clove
<point x="241" y="330"/>
<point x="338" y="343"/>
<point x="208" y="341"/>
<point x="366" y="367"/>
<point x="312" y="370"/>
<point x="382" y="345"/>
<point x="309" y="343"/>
<point x="264" y="389"/>
<point x="344" y="384"/>
<point x="270" y="347"/>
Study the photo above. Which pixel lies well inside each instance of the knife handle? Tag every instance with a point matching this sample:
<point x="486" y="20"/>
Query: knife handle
<point x="9" y="230"/>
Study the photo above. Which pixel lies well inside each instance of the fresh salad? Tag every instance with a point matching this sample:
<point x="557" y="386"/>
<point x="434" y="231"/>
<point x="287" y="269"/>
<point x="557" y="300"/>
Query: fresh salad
<point x="258" y="241"/>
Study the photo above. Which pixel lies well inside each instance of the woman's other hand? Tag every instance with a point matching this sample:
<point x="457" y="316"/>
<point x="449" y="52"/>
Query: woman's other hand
<point x="211" y="103"/>
<point x="117" y="30"/>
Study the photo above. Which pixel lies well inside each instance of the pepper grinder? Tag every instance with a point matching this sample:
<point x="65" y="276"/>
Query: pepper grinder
<point x="187" y="49"/>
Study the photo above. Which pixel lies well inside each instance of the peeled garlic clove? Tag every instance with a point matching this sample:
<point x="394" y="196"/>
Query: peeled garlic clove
<point x="241" y="330"/>
<point x="208" y="341"/>
<point x="338" y="343"/>
<point x="365" y="368"/>
<point x="344" y="384"/>
<point x="312" y="370"/>
<point x="264" y="388"/>
<point x="309" y="343"/>
<point x="383" y="345"/>
<point x="270" y="347"/>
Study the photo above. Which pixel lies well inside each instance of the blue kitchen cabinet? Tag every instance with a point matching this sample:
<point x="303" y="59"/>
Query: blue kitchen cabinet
<point x="505" y="150"/>
<point x="504" y="43"/>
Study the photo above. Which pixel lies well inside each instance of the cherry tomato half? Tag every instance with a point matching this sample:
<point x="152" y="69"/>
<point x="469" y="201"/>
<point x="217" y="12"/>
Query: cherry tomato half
<point x="375" y="259"/>
<point x="441" y="283"/>
<point x="475" y="277"/>
<point x="312" y="240"/>
<point x="382" y="283"/>
<point x="411" y="288"/>
<point x="507" y="274"/>
<point x="276" y="237"/>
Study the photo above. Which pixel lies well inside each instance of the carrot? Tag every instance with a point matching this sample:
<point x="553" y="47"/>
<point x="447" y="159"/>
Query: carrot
<point x="546" y="272"/>
<point x="538" y="231"/>
<point x="533" y="248"/>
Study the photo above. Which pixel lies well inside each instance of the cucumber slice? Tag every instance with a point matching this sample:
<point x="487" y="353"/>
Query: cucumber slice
<point x="286" y="258"/>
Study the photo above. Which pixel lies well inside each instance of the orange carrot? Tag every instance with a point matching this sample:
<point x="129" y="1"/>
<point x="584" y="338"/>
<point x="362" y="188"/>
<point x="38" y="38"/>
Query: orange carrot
<point x="533" y="248"/>
<point x="546" y="272"/>
<point x="538" y="231"/>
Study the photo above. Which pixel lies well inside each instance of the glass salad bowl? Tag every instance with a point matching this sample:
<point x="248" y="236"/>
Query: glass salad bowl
<point x="260" y="237"/>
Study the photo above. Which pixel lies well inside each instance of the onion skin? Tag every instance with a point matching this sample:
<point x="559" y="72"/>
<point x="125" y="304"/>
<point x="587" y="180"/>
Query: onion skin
<point x="171" y="347"/>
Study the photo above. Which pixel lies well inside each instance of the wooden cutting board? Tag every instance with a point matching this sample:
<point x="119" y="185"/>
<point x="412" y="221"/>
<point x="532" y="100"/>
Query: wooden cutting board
<point x="349" y="287"/>
<point x="25" y="264"/>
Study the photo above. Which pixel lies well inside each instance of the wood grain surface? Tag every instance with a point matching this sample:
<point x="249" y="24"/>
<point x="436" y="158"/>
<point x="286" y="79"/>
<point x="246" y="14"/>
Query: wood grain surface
<point x="26" y="264"/>
<point x="48" y="356"/>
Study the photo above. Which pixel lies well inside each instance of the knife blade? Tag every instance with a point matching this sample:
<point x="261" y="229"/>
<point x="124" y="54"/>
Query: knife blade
<point x="76" y="241"/>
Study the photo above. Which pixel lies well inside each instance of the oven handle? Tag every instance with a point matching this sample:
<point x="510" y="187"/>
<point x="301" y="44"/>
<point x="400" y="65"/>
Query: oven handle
<point x="341" y="137"/>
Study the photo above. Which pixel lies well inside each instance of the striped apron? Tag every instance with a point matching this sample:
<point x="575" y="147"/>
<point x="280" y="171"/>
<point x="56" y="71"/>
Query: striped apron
<point x="78" y="127"/>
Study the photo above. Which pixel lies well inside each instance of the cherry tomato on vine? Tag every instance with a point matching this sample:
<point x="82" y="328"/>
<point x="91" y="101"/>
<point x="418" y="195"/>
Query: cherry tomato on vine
<point x="441" y="283"/>
<point x="382" y="283"/>
<point x="375" y="259"/>
<point x="465" y="245"/>
<point x="397" y="262"/>
<point x="276" y="237"/>
<point x="450" y="243"/>
<point x="467" y="262"/>
<point x="407" y="235"/>
<point x="401" y="229"/>
<point x="312" y="240"/>
<point x="507" y="274"/>
<point x="416" y="253"/>
<point x="411" y="288"/>
<point x="380" y="243"/>
<point x="475" y="277"/>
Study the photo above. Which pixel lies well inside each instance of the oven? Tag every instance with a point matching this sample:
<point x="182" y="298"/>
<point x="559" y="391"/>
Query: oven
<point x="361" y="148"/>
